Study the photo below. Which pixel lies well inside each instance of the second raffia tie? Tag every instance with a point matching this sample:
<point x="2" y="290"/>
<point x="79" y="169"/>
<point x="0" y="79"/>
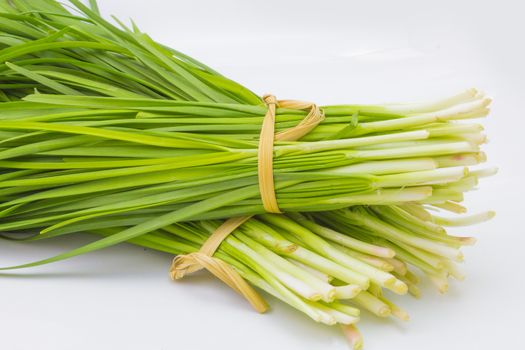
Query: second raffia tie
<point x="183" y="264"/>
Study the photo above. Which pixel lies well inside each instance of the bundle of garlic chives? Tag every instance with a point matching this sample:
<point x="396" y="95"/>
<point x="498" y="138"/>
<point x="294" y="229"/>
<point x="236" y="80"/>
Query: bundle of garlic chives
<point x="317" y="269"/>
<point x="146" y="163"/>
<point x="127" y="138"/>
<point x="50" y="192"/>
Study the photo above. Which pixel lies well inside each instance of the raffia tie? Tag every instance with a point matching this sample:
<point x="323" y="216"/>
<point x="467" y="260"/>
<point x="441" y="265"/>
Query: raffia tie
<point x="183" y="264"/>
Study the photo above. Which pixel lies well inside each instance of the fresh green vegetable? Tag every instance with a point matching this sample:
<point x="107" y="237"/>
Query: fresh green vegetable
<point x="103" y="130"/>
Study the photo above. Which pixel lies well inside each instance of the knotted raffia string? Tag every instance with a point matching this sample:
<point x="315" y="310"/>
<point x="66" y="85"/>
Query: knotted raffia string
<point x="183" y="264"/>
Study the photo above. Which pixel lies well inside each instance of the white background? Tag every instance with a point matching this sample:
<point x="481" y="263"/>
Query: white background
<point x="327" y="52"/>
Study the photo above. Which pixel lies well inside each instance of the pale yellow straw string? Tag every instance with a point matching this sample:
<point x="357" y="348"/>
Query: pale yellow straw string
<point x="265" y="157"/>
<point x="183" y="264"/>
<point x="267" y="137"/>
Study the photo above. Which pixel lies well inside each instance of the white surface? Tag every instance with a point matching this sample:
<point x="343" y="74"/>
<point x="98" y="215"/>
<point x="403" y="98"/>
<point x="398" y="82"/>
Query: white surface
<point x="327" y="52"/>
